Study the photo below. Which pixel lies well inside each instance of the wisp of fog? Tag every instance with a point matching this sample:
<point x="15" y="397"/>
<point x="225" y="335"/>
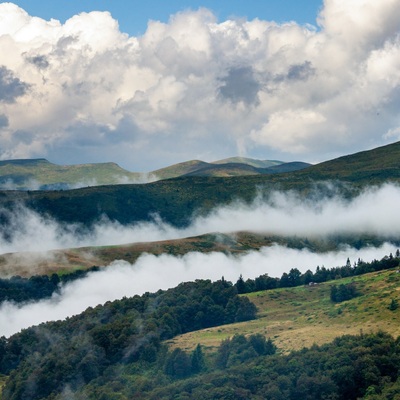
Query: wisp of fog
<point x="151" y="273"/>
<point x="375" y="211"/>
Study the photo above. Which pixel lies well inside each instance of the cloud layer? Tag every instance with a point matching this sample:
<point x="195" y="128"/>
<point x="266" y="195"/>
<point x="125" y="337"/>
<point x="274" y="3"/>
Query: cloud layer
<point x="374" y="212"/>
<point x="151" y="273"/>
<point x="196" y="87"/>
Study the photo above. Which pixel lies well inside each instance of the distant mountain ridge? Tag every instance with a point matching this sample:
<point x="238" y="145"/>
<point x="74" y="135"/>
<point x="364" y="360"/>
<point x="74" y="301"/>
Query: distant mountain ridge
<point x="42" y="174"/>
<point x="249" y="161"/>
<point x="26" y="174"/>
<point x="176" y="200"/>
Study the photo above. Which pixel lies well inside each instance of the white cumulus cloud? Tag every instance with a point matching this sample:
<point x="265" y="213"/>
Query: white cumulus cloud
<point x="196" y="87"/>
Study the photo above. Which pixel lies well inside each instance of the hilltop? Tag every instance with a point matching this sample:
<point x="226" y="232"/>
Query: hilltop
<point x="234" y="166"/>
<point x="372" y="166"/>
<point x="34" y="174"/>
<point x="42" y="174"/>
<point x="176" y="200"/>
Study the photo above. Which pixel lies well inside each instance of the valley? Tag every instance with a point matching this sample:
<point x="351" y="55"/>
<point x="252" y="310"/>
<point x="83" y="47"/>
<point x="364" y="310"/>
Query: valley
<point x="112" y="247"/>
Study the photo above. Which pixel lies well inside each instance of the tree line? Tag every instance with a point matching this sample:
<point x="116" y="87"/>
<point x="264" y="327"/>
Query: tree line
<point x="19" y="289"/>
<point x="296" y="278"/>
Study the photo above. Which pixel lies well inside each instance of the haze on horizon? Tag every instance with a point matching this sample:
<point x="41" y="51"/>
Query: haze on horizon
<point x="196" y="87"/>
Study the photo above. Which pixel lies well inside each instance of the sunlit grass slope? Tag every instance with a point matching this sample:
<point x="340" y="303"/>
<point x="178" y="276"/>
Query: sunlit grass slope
<point x="237" y="243"/>
<point x="302" y="316"/>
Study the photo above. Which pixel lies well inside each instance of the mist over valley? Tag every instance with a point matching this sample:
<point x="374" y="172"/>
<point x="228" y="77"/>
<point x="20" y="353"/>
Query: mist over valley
<point x="200" y="201"/>
<point x="319" y="223"/>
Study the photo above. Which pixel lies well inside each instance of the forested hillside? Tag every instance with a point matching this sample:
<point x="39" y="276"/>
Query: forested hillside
<point x="176" y="200"/>
<point x="138" y="347"/>
<point x="43" y="361"/>
<point x="120" y="351"/>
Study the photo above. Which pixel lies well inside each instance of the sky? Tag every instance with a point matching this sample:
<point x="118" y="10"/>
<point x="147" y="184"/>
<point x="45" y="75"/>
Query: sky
<point x="149" y="85"/>
<point x="133" y="16"/>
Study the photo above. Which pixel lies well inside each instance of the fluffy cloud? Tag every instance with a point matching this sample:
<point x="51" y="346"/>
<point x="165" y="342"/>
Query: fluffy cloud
<point x="198" y="88"/>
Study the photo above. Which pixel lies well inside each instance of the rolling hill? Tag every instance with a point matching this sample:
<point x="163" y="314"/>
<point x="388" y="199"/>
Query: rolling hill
<point x="144" y="346"/>
<point x="175" y="200"/>
<point x="40" y="174"/>
<point x="249" y="161"/>
<point x="304" y="316"/>
<point x="65" y="261"/>
<point x="127" y="348"/>
<point x="372" y="166"/>
<point x="239" y="169"/>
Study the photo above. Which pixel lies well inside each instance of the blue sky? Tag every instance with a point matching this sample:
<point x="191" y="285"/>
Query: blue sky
<point x="133" y="15"/>
<point x="226" y="79"/>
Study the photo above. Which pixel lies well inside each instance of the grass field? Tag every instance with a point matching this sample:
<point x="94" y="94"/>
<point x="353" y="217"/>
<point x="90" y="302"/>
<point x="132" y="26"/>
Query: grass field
<point x="69" y="260"/>
<point x="300" y="317"/>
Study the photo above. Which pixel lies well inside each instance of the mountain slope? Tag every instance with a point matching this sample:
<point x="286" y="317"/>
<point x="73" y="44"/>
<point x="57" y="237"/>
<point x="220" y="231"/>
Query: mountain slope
<point x="176" y="200"/>
<point x="120" y="347"/>
<point x="241" y="169"/>
<point x="285" y="167"/>
<point x="225" y="170"/>
<point x="238" y="243"/>
<point x="44" y="174"/>
<point x="302" y="316"/>
<point x="183" y="168"/>
<point x="249" y="161"/>
<point x="33" y="174"/>
<point x="373" y="165"/>
<point x="234" y="166"/>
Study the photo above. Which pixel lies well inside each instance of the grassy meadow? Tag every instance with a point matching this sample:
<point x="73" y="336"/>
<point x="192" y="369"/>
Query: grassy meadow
<point x="302" y="316"/>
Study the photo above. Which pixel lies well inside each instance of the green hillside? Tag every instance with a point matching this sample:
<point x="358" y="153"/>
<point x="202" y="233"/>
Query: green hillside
<point x="285" y="167"/>
<point x="179" y="169"/>
<point x="238" y="243"/>
<point x="303" y="316"/>
<point x="42" y="173"/>
<point x="175" y="200"/>
<point x="374" y="166"/>
<point x="202" y="339"/>
<point x="234" y="166"/>
<point x="25" y="174"/>
<point x="249" y="161"/>
<point x="240" y="169"/>
<point x="225" y="170"/>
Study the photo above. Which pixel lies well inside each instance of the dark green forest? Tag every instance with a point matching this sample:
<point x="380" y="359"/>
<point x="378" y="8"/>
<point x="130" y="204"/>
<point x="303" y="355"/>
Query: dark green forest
<point x="44" y="360"/>
<point x="351" y="367"/>
<point x="19" y="290"/>
<point x="118" y="351"/>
